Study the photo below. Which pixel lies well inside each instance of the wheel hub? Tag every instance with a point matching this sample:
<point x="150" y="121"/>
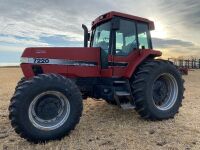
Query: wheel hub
<point x="49" y="110"/>
<point x="165" y="91"/>
<point x="160" y="91"/>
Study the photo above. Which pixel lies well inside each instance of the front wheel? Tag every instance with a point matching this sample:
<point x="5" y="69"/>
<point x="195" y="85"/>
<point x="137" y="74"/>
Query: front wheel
<point x="46" y="107"/>
<point x="157" y="88"/>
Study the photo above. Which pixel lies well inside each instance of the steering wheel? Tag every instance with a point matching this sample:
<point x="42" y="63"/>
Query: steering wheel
<point x="106" y="39"/>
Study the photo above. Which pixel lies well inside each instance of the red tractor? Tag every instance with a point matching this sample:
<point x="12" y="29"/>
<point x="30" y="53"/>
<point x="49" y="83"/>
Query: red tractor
<point x="118" y="66"/>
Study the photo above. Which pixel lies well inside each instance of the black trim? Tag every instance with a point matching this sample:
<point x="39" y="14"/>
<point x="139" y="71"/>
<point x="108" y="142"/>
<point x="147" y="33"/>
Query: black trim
<point x="82" y="63"/>
<point x="111" y="40"/>
<point x="97" y="87"/>
<point x="150" y="39"/>
<point x="118" y="64"/>
<point x="37" y="69"/>
<point x="136" y="31"/>
<point x="62" y="62"/>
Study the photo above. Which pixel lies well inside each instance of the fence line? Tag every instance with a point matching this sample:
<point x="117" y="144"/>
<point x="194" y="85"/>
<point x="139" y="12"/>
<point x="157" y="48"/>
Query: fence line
<point x="186" y="63"/>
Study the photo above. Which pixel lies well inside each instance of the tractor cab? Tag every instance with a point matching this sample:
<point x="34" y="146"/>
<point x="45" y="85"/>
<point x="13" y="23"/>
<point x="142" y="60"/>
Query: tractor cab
<point x="120" y="37"/>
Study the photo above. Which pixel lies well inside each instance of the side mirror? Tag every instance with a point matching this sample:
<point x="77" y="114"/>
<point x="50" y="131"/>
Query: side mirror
<point x="115" y="23"/>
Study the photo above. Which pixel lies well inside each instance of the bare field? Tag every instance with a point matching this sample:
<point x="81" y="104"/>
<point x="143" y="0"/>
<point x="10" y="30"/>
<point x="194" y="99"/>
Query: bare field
<point x="103" y="126"/>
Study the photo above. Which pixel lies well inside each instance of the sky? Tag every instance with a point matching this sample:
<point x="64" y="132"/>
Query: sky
<point x="27" y="23"/>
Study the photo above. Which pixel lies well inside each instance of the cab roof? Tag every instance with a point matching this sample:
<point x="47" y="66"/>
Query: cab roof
<point x="111" y="14"/>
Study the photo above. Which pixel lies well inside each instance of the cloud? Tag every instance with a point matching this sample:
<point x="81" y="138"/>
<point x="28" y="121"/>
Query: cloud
<point x="18" y="43"/>
<point x="184" y="11"/>
<point x="167" y="43"/>
<point x="34" y="18"/>
<point x="181" y="18"/>
<point x="58" y="23"/>
<point x="18" y="40"/>
<point x="58" y="40"/>
<point x="176" y="48"/>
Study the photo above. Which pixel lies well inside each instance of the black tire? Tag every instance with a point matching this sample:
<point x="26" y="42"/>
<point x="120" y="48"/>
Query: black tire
<point x="21" y="102"/>
<point x="143" y="81"/>
<point x="23" y="79"/>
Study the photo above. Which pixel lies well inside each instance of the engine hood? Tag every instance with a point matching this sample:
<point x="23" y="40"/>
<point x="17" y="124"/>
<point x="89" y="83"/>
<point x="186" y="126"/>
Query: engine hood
<point x="62" y="56"/>
<point x="67" y="61"/>
<point x="70" y="53"/>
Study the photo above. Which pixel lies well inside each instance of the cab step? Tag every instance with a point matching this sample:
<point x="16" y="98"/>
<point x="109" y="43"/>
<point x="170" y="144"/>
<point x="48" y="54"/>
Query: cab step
<point x="126" y="106"/>
<point x="120" y="82"/>
<point x="119" y="95"/>
<point x="122" y="93"/>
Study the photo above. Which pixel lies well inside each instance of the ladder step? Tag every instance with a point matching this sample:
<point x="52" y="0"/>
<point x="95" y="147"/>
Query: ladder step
<point x="122" y="93"/>
<point x="127" y="106"/>
<point x="119" y="81"/>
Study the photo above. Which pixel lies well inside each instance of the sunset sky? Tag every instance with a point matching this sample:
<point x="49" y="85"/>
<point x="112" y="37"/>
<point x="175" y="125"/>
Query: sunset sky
<point x="27" y="23"/>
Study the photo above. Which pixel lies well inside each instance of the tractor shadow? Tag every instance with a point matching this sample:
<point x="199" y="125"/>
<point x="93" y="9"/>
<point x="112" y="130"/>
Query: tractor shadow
<point x="109" y="116"/>
<point x="107" y="111"/>
<point x="111" y="125"/>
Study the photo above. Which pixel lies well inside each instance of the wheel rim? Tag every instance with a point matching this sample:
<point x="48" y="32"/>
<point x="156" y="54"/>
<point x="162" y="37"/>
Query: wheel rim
<point x="49" y="110"/>
<point x="165" y="91"/>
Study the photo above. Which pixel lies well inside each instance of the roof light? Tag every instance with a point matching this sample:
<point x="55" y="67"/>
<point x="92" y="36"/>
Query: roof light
<point x="101" y="17"/>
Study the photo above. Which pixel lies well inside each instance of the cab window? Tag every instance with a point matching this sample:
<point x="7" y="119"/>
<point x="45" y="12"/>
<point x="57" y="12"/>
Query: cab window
<point x="102" y="36"/>
<point x="125" y="38"/>
<point x="143" y="36"/>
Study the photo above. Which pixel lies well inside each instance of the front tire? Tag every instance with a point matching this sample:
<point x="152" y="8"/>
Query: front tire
<point x="23" y="79"/>
<point x="157" y="88"/>
<point x="46" y="107"/>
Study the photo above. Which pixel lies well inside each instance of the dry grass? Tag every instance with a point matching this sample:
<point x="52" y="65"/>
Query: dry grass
<point x="107" y="127"/>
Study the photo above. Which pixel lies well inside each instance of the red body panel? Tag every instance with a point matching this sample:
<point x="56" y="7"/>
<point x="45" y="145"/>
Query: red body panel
<point x="133" y="60"/>
<point x="81" y="54"/>
<point x="72" y="53"/>
<point x="84" y="54"/>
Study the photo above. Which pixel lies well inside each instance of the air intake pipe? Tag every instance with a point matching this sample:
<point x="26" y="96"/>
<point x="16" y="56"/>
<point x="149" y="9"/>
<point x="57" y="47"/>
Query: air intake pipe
<point x="86" y="35"/>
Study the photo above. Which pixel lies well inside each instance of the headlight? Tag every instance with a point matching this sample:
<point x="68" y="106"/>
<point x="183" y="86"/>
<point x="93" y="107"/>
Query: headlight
<point x="24" y="60"/>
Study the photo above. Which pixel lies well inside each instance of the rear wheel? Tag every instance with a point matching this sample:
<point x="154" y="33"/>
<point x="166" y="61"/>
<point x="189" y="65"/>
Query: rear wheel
<point x="46" y="107"/>
<point x="157" y="88"/>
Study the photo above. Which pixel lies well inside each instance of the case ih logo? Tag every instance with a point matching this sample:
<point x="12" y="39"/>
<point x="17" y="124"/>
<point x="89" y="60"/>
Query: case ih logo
<point x="40" y="51"/>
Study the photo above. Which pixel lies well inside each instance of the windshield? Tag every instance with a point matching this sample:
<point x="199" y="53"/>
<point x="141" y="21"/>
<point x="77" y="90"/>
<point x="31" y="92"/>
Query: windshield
<point x="101" y="36"/>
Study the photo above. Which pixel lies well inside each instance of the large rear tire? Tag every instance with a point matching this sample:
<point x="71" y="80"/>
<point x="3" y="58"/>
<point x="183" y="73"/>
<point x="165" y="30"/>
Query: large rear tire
<point x="46" y="107"/>
<point x="157" y="88"/>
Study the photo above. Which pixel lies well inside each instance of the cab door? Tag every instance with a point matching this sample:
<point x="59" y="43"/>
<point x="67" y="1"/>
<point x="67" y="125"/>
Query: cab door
<point x="130" y="38"/>
<point x="125" y="45"/>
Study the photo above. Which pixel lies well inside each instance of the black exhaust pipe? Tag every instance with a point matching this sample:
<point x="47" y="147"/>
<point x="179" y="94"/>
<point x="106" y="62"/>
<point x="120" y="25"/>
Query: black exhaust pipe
<point x="86" y="34"/>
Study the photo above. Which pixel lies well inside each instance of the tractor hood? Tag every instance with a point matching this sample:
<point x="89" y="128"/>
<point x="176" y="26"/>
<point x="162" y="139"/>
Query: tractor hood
<point x="61" y="55"/>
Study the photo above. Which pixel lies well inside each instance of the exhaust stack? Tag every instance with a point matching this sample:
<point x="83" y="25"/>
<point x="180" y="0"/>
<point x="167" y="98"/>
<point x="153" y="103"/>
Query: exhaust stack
<point x="86" y="35"/>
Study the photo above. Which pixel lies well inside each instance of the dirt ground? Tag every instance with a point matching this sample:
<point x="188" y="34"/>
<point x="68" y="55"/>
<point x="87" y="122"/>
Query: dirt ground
<point x="103" y="126"/>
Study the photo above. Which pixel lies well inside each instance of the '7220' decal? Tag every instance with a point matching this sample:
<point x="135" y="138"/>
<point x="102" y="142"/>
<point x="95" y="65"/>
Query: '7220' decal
<point x="41" y="60"/>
